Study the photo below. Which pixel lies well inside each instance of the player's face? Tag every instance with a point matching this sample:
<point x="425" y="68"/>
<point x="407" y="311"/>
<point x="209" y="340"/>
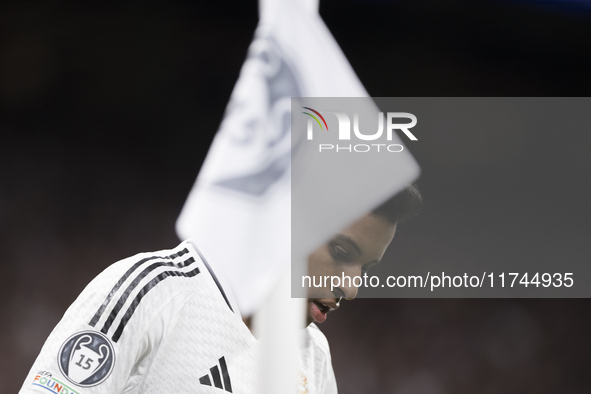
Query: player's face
<point x="351" y="252"/>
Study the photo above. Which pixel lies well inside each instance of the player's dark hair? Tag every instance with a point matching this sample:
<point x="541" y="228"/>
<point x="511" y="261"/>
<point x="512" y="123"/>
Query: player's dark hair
<point x="401" y="206"/>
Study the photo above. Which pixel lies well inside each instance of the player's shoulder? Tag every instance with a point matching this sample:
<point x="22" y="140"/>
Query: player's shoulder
<point x="112" y="333"/>
<point x="120" y="319"/>
<point x="146" y="270"/>
<point x="140" y="285"/>
<point x="181" y="256"/>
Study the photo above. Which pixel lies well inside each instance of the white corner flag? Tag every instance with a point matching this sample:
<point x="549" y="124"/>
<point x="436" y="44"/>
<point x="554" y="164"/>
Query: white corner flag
<point x="238" y="211"/>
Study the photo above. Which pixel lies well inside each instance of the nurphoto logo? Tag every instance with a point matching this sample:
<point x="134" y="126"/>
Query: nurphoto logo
<point x="344" y="131"/>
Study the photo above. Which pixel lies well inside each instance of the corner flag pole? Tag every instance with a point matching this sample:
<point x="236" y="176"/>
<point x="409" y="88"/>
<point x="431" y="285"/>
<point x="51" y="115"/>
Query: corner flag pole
<point x="280" y="319"/>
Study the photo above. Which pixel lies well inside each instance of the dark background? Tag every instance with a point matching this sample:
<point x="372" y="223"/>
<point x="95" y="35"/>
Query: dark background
<point x="106" y="113"/>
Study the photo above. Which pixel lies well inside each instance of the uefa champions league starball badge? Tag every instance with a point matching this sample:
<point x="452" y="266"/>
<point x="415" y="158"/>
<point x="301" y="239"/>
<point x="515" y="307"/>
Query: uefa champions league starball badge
<point x="86" y="358"/>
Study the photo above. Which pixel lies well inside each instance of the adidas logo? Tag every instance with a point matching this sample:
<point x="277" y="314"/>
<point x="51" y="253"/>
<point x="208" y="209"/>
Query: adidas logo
<point x="217" y="380"/>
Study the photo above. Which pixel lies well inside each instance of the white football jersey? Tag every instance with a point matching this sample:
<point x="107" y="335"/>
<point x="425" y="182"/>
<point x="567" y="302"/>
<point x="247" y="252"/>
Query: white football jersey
<point x="162" y="322"/>
<point x="315" y="371"/>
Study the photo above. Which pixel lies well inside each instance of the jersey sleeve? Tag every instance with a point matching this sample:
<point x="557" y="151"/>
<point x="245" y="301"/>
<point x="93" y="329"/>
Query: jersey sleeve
<point x="108" y="338"/>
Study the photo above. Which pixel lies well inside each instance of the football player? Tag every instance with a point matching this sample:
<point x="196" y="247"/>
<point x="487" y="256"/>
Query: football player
<point x="167" y="322"/>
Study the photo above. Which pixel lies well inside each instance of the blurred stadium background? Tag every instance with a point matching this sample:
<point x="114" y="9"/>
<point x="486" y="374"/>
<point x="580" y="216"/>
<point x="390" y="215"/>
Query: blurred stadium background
<point x="107" y="111"/>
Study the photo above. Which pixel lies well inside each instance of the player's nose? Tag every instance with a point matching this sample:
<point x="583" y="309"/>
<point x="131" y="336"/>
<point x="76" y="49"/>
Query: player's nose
<point x="348" y="288"/>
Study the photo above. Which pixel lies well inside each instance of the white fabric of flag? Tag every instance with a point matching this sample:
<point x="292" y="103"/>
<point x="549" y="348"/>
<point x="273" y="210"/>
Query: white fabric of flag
<point x="238" y="212"/>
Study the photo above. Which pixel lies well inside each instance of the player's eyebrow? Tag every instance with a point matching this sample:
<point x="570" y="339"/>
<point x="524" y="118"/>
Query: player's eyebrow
<point x="348" y="240"/>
